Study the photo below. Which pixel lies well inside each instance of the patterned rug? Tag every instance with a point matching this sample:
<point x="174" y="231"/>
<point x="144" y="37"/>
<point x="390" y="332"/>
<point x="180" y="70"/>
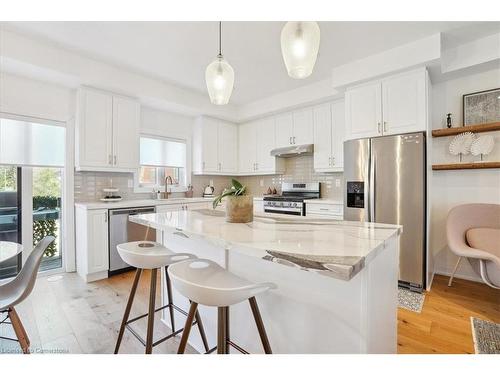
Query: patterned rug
<point x="486" y="336"/>
<point x="409" y="300"/>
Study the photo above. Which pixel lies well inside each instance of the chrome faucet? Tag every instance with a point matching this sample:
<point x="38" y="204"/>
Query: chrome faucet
<point x="167" y="179"/>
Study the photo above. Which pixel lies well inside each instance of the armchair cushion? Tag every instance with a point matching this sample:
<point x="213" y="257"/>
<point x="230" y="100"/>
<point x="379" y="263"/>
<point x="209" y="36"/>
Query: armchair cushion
<point x="486" y="239"/>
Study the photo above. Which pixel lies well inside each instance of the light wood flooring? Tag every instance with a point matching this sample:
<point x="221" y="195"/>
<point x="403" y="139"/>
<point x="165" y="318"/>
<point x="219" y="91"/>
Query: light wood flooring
<point x="69" y="315"/>
<point x="444" y="326"/>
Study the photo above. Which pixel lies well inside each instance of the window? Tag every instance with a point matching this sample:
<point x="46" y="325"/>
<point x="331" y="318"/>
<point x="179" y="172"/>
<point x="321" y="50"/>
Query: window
<point x="160" y="158"/>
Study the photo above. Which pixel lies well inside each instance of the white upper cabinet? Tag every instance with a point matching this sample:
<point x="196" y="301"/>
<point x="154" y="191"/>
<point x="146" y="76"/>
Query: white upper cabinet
<point x="393" y="105"/>
<point x="302" y="126"/>
<point x="284" y="130"/>
<point x="94" y="129"/>
<point x="364" y="111"/>
<point x="107" y="131"/>
<point x="126" y="120"/>
<point x="322" y="136"/>
<point x="214" y="147"/>
<point x="256" y="140"/>
<point x="227" y="146"/>
<point x="404" y="103"/>
<point x="329" y="127"/>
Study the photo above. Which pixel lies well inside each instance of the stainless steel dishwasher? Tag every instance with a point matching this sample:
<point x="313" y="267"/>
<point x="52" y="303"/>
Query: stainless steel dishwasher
<point x="122" y="230"/>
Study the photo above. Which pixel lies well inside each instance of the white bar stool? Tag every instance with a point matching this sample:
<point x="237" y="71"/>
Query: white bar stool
<point x="205" y="282"/>
<point x="153" y="256"/>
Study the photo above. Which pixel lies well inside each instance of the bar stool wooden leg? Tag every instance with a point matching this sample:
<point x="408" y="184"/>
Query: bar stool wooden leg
<point x="228" y="337"/>
<point x="187" y="328"/>
<point x="260" y="325"/>
<point x="170" y="299"/>
<point x="128" y="308"/>
<point x="202" y="331"/>
<point x="19" y="330"/>
<point x="221" y="330"/>
<point x="151" y="313"/>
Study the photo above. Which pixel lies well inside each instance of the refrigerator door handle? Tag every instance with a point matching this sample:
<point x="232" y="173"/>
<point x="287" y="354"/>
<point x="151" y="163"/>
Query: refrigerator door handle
<point x="371" y="198"/>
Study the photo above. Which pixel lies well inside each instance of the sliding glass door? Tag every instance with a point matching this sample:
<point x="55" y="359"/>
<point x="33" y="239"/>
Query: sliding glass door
<point x="32" y="159"/>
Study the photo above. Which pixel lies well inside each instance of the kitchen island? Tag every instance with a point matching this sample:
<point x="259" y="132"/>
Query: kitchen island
<point x="336" y="280"/>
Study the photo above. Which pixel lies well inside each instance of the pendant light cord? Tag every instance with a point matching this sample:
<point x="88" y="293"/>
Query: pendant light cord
<point x="220" y="38"/>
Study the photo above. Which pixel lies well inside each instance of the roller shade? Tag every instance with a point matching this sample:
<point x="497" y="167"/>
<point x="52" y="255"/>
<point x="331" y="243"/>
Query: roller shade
<point x="162" y="152"/>
<point x="25" y="143"/>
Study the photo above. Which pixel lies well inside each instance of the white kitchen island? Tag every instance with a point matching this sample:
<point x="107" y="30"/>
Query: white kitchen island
<point x="337" y="280"/>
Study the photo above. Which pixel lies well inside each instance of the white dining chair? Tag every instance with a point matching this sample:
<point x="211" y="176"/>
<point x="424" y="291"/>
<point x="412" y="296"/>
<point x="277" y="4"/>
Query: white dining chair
<point x="17" y="290"/>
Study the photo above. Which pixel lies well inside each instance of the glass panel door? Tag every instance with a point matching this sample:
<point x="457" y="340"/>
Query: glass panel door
<point x="10" y="215"/>
<point x="47" y="194"/>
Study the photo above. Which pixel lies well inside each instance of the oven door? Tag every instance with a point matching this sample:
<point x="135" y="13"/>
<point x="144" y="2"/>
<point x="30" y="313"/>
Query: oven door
<point x="297" y="211"/>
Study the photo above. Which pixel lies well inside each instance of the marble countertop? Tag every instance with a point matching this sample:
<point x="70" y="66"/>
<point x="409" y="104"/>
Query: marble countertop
<point x="339" y="249"/>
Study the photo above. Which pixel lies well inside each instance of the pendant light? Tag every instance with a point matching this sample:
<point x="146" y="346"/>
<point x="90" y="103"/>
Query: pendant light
<point x="219" y="76"/>
<point x="299" y="47"/>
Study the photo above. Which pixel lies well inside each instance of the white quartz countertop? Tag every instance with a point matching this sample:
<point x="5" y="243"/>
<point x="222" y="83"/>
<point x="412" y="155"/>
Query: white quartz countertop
<point x="94" y="205"/>
<point x="337" y="248"/>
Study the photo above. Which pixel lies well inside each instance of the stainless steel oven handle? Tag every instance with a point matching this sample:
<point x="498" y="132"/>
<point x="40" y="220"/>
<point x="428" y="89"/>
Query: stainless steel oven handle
<point x="373" y="163"/>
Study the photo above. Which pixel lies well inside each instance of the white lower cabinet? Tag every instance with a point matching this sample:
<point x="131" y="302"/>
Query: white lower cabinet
<point x="92" y="254"/>
<point x="325" y="210"/>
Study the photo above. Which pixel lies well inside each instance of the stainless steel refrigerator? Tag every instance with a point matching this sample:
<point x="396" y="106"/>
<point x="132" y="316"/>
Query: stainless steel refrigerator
<point x="385" y="183"/>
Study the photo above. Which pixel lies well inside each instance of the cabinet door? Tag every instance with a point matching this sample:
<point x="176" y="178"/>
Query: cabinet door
<point x="126" y="120"/>
<point x="303" y="127"/>
<point x="266" y="141"/>
<point x="338" y="130"/>
<point x="209" y="145"/>
<point x="94" y="123"/>
<point x="364" y="111"/>
<point x="247" y="148"/>
<point x="227" y="145"/>
<point x="97" y="238"/>
<point x="322" y="136"/>
<point x="403" y="103"/>
<point x="284" y="130"/>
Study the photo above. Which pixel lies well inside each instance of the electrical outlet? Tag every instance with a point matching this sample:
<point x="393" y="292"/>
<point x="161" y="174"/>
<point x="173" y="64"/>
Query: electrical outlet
<point x="261" y="183"/>
<point x="337" y="182"/>
<point x="130" y="183"/>
<point x="211" y="182"/>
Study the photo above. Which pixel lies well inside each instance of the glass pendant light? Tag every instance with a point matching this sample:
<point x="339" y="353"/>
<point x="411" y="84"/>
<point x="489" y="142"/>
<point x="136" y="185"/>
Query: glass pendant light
<point x="219" y="76"/>
<point x="299" y="47"/>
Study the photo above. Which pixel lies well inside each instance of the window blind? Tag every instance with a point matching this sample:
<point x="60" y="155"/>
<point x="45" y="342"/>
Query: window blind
<point x="162" y="153"/>
<point x="25" y="143"/>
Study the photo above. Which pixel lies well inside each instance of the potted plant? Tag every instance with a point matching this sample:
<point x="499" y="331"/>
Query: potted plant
<point x="239" y="205"/>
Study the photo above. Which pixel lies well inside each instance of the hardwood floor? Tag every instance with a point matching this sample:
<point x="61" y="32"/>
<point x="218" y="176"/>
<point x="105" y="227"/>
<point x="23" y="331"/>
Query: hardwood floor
<point x="71" y="316"/>
<point x="444" y="326"/>
<point x="68" y="315"/>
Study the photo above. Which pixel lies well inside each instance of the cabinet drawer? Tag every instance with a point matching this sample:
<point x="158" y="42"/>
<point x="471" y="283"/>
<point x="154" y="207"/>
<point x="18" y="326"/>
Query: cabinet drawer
<point x="325" y="209"/>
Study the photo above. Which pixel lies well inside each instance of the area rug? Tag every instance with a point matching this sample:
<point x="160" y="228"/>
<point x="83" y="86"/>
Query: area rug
<point x="486" y="336"/>
<point x="409" y="300"/>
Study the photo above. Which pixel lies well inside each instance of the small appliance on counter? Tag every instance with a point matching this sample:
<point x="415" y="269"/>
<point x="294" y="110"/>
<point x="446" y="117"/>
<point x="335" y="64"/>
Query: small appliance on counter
<point x="208" y="192"/>
<point x="111" y="195"/>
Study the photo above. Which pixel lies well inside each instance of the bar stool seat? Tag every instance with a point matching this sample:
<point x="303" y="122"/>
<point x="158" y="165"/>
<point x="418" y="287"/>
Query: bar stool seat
<point x="148" y="255"/>
<point x="205" y="282"/>
<point x="153" y="256"/>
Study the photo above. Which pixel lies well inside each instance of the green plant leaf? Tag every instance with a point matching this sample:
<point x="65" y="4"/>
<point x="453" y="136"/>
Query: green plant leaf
<point x="218" y="199"/>
<point x="237" y="185"/>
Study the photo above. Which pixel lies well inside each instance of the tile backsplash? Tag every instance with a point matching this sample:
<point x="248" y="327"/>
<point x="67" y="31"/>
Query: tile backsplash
<point x="89" y="185"/>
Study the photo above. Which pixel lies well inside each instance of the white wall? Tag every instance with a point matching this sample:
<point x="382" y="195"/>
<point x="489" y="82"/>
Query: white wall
<point x="28" y="97"/>
<point x="452" y="188"/>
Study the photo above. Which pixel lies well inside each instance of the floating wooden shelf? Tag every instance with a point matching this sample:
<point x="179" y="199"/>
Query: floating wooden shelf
<point x="479" y="128"/>
<point x="478" y="165"/>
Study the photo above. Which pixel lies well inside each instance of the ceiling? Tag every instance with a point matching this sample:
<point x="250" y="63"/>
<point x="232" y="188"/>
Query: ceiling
<point x="178" y="52"/>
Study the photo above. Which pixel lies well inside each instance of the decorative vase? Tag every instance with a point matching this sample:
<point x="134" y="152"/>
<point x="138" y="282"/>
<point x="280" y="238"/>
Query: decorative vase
<point x="239" y="209"/>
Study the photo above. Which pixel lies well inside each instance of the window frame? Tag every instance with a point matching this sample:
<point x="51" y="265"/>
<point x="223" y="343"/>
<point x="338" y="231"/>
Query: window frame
<point x="174" y="188"/>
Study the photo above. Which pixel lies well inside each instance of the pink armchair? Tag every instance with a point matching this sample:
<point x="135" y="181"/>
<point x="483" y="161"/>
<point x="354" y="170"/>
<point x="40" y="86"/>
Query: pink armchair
<point x="473" y="231"/>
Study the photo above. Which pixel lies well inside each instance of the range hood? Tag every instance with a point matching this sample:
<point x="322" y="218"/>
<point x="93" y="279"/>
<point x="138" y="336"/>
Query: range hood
<point x="290" y="151"/>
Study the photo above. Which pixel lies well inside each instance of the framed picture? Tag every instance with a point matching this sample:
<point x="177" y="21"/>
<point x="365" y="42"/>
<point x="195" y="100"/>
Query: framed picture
<point x="481" y="107"/>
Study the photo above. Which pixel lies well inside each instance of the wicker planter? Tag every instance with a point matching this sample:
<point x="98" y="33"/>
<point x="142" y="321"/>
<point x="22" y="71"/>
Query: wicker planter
<point x="239" y="209"/>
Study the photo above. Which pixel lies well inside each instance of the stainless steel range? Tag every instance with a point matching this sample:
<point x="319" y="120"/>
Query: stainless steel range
<point x="291" y="200"/>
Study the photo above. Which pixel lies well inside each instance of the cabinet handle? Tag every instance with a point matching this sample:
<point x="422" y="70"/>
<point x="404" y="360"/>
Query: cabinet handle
<point x="105" y="217"/>
<point x="324" y="209"/>
<point x="110" y="159"/>
<point x="330" y="160"/>
<point x="333" y="160"/>
<point x="115" y="159"/>
<point x="203" y="165"/>
<point x="256" y="166"/>
<point x="290" y="140"/>
<point x="293" y="140"/>
<point x="385" y="126"/>
<point x="378" y="127"/>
